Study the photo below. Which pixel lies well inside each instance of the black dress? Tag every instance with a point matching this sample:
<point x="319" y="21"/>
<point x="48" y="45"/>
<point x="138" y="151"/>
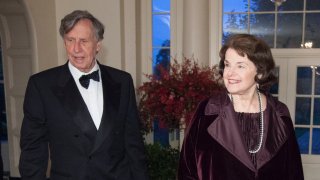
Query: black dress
<point x="249" y="124"/>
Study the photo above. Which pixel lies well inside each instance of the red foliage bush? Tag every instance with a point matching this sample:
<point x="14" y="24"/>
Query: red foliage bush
<point x="174" y="94"/>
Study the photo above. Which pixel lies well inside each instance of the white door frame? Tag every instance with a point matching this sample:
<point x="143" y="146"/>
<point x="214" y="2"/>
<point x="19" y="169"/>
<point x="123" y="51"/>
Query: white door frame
<point x="17" y="52"/>
<point x="287" y="84"/>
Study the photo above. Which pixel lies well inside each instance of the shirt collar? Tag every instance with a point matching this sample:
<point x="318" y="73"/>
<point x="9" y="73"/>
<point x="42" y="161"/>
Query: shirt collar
<point x="76" y="73"/>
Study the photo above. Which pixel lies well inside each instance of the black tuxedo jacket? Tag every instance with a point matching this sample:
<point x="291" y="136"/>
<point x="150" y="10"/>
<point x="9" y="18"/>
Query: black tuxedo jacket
<point x="58" y="124"/>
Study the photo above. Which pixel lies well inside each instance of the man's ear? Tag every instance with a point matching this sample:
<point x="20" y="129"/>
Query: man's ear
<point x="64" y="43"/>
<point x="99" y="44"/>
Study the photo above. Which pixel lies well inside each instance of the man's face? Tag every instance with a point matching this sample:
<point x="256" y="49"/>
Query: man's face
<point x="82" y="45"/>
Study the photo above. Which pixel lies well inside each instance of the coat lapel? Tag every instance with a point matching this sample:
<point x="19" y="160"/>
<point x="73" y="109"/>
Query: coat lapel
<point x="72" y="101"/>
<point x="276" y="133"/>
<point x="111" y="100"/>
<point x="225" y="130"/>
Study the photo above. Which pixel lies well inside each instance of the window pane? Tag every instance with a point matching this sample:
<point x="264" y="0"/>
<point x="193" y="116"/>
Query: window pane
<point x="291" y="5"/>
<point x="233" y="24"/>
<point x="290" y="18"/>
<point x="161" y="6"/>
<point x="312" y="29"/>
<point x="303" y="135"/>
<point x="235" y="6"/>
<point x="313" y="4"/>
<point x="316" y="113"/>
<point x="160" y="30"/>
<point x="289" y="32"/>
<point x="304" y="80"/>
<point x="161" y="56"/>
<point x="262" y="25"/>
<point x="316" y="141"/>
<point x="303" y="106"/>
<point x="275" y="88"/>
<point x="261" y="5"/>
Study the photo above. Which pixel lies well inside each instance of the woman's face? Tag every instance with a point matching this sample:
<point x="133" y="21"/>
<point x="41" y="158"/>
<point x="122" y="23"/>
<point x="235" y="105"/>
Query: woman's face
<point x="239" y="73"/>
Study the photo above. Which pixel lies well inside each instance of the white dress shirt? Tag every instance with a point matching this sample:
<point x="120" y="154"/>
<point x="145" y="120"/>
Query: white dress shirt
<point x="93" y="96"/>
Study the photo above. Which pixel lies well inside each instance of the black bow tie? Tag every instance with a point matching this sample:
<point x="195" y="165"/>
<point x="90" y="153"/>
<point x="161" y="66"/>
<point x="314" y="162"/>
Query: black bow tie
<point x="85" y="79"/>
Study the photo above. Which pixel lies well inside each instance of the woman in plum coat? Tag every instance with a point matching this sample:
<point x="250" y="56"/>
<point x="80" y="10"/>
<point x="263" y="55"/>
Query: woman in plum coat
<point x="242" y="133"/>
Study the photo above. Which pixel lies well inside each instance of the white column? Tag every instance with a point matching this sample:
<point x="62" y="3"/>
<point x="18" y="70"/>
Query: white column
<point x="196" y="30"/>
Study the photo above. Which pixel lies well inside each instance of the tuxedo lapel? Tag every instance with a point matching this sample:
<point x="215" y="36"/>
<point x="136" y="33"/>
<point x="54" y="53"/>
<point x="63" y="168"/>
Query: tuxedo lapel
<point x="111" y="100"/>
<point x="72" y="101"/>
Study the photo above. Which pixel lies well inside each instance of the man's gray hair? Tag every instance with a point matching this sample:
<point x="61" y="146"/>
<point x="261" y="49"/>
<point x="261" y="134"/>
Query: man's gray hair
<point x="70" y="20"/>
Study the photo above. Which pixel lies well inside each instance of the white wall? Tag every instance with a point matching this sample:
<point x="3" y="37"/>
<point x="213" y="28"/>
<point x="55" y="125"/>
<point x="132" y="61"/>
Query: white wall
<point x="108" y="12"/>
<point x="43" y="31"/>
<point x="118" y="16"/>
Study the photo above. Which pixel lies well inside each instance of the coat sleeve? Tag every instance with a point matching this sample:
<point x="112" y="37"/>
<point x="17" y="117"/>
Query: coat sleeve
<point x="133" y="139"/>
<point x="294" y="162"/>
<point x="295" y="170"/>
<point x="187" y="169"/>
<point x="293" y="155"/>
<point x="33" y="141"/>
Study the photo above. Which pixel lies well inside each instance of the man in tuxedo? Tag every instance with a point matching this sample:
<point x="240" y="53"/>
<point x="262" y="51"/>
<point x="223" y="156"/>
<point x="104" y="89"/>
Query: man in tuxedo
<point x="83" y="114"/>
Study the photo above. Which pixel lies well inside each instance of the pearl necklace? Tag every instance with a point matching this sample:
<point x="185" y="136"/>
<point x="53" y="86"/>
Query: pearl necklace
<point x="261" y="125"/>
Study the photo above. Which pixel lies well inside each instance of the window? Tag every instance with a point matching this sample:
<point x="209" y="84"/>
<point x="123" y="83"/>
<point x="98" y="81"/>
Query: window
<point x="293" y="24"/>
<point x="160" y="33"/>
<point x="161" y="56"/>
<point x="307" y="114"/>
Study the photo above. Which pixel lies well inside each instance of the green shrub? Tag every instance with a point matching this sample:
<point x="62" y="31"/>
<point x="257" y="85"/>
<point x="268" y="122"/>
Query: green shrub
<point x="162" y="162"/>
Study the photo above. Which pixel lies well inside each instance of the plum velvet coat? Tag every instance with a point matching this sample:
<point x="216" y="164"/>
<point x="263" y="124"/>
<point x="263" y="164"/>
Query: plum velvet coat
<point x="214" y="147"/>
